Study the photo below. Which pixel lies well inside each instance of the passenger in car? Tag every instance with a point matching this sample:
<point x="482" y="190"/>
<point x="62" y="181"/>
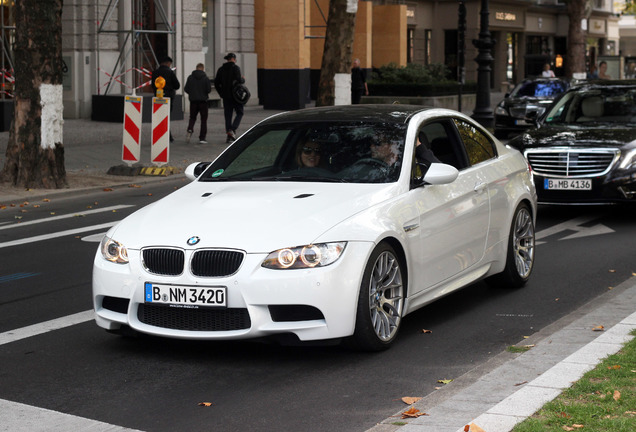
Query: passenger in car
<point x="423" y="152"/>
<point x="308" y="154"/>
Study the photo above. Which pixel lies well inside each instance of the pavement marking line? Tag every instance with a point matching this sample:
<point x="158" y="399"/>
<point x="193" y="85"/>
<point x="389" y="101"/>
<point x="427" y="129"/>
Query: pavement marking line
<point x="43" y="237"/>
<point x="16" y="416"/>
<point x="16" y="276"/>
<point x="47" y="326"/>
<point x="66" y="216"/>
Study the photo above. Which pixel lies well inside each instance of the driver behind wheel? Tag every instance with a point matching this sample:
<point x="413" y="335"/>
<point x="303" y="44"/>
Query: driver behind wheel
<point x="308" y="154"/>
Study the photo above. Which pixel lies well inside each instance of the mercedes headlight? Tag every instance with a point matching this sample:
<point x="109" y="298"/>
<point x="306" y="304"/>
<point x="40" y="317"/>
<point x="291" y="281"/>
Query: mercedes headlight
<point x="308" y="256"/>
<point x="628" y="159"/>
<point x="113" y="251"/>
<point x="500" y="110"/>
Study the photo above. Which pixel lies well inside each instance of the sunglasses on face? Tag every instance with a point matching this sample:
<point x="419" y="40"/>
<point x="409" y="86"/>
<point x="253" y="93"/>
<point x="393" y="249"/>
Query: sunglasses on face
<point x="310" y="150"/>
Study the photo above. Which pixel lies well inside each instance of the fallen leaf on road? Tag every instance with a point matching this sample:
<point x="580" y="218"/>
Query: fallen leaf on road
<point x="413" y="413"/>
<point x="108" y="189"/>
<point x="134" y="186"/>
<point x="612" y="271"/>
<point x="205" y="404"/>
<point x="46" y="200"/>
<point x="598" y="328"/>
<point x="444" y="381"/>
<point x="409" y="400"/>
<point x="521" y="383"/>
<point x="427" y="331"/>
<point x="473" y="428"/>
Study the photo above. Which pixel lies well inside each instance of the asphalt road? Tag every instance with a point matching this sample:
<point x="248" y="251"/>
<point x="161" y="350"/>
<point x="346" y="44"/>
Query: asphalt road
<point x="155" y="384"/>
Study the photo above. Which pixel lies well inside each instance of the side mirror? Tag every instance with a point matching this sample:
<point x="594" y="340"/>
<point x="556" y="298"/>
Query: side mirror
<point x="533" y="117"/>
<point x="194" y="170"/>
<point x="439" y="173"/>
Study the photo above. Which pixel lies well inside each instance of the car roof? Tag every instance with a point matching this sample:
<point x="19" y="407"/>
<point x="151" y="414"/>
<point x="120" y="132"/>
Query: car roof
<point x="600" y="83"/>
<point x="372" y="113"/>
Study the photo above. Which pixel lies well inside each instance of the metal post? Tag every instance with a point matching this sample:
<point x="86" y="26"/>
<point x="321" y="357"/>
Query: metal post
<point x="461" y="52"/>
<point x="483" y="113"/>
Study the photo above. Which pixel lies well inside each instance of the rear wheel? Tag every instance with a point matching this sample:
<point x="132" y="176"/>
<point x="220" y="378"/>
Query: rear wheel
<point x="520" y="254"/>
<point x="381" y="301"/>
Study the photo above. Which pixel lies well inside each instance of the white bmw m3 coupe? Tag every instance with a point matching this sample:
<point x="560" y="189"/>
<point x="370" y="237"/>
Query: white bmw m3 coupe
<point x="323" y="223"/>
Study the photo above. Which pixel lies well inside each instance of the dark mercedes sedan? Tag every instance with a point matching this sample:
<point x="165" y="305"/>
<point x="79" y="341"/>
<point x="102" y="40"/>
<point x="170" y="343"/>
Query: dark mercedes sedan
<point x="531" y="97"/>
<point x="583" y="150"/>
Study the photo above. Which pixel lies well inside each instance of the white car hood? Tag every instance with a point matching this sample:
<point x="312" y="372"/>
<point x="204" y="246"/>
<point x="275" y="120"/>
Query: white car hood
<point x="255" y="217"/>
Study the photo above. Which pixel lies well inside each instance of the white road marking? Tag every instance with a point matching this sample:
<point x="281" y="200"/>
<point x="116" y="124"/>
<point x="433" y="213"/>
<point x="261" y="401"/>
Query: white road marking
<point x="20" y="417"/>
<point x="574" y="225"/>
<point x="43" y="237"/>
<point x="44" y="327"/>
<point x="66" y="216"/>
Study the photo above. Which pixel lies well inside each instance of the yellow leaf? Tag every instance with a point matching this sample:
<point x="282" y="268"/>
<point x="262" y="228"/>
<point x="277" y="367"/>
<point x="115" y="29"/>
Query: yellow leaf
<point x="46" y="200"/>
<point x="617" y="395"/>
<point x="473" y="428"/>
<point x="409" y="400"/>
<point x="444" y="381"/>
<point x="205" y="404"/>
<point x="598" y="328"/>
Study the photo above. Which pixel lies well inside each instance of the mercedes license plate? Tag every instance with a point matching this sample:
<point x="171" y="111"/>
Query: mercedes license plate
<point x="185" y="296"/>
<point x="567" y="184"/>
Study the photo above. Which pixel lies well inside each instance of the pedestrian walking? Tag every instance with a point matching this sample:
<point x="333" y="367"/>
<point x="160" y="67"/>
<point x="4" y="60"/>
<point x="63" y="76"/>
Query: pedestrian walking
<point x="228" y="75"/>
<point x="198" y="87"/>
<point x="172" y="82"/>
<point x="358" y="82"/>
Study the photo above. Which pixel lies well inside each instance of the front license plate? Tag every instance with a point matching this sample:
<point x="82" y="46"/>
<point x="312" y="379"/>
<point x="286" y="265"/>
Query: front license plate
<point x="185" y="296"/>
<point x="567" y="184"/>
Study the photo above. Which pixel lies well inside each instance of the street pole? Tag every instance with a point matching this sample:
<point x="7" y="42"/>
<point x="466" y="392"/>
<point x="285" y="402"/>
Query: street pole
<point x="461" y="52"/>
<point x="483" y="113"/>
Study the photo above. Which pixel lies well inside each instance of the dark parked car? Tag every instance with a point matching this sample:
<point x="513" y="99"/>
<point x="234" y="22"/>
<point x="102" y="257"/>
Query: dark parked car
<point x="584" y="148"/>
<point x="531" y="97"/>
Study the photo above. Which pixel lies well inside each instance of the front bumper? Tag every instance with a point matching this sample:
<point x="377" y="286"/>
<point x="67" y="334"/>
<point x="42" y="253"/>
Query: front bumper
<point x="313" y="304"/>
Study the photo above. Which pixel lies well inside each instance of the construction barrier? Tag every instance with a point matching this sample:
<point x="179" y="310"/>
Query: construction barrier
<point x="160" y="151"/>
<point x="131" y="143"/>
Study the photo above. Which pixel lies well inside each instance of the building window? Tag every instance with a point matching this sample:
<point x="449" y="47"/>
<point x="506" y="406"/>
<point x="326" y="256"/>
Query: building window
<point x="427" y="46"/>
<point x="410" y="44"/>
<point x="450" y="52"/>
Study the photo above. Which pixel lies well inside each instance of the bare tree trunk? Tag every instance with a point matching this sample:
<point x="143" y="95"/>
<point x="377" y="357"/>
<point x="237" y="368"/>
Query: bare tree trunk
<point x="336" y="57"/>
<point x="575" y="57"/>
<point x="35" y="153"/>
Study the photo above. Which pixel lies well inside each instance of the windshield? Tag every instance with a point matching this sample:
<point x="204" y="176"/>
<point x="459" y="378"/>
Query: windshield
<point x="359" y="152"/>
<point x="543" y="89"/>
<point x="611" y="105"/>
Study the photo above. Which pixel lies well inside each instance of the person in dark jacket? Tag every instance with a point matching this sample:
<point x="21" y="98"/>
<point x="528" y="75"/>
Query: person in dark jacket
<point x="227" y="75"/>
<point x="172" y="82"/>
<point x="358" y="82"/>
<point x="198" y="87"/>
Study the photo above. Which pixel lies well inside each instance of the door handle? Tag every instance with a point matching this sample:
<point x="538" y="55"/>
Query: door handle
<point x="480" y="187"/>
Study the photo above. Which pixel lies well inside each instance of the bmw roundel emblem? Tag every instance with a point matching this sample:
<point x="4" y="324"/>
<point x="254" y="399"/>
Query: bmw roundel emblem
<point x="194" y="240"/>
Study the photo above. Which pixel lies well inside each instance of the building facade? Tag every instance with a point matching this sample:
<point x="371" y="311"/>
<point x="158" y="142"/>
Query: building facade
<point x="111" y="46"/>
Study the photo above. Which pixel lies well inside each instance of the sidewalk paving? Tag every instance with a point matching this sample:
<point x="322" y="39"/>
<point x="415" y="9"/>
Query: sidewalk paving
<point x="495" y="395"/>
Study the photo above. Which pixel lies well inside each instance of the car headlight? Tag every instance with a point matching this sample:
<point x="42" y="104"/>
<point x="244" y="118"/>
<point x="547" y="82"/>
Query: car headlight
<point x="308" y="256"/>
<point x="628" y="160"/>
<point x="500" y="110"/>
<point x="113" y="251"/>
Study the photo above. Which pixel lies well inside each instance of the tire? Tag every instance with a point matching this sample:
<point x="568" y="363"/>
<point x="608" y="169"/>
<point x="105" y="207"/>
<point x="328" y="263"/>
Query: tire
<point x="520" y="251"/>
<point x="381" y="301"/>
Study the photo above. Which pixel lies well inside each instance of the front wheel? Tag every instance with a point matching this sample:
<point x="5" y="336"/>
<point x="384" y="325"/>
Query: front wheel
<point x="381" y="301"/>
<point x="520" y="251"/>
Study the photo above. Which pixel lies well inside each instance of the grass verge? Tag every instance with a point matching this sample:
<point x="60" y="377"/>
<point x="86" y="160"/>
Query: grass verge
<point x="604" y="399"/>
